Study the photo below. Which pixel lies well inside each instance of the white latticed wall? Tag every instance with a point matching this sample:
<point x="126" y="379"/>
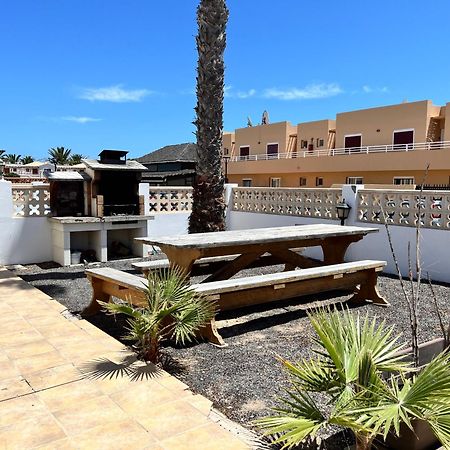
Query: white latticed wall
<point x="302" y="202"/>
<point x="31" y="201"/>
<point x="404" y="207"/>
<point x="170" y="199"/>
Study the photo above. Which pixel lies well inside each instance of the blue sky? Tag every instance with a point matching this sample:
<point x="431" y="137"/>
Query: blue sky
<point x="101" y="74"/>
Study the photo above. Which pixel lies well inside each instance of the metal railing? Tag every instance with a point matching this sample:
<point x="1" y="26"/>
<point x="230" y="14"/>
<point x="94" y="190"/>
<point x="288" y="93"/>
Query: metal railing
<point x="441" y="145"/>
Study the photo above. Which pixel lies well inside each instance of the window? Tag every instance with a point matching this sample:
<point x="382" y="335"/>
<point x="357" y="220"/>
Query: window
<point x="244" y="151"/>
<point x="403" y="180"/>
<point x="272" y="149"/>
<point x="353" y="141"/>
<point x="354" y="180"/>
<point x="302" y="181"/>
<point x="275" y="182"/>
<point x="247" y="182"/>
<point x="319" y="181"/>
<point x="303" y="144"/>
<point x="402" y="138"/>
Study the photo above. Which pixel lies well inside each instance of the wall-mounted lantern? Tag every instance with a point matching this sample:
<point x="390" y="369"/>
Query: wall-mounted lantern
<point x="343" y="211"/>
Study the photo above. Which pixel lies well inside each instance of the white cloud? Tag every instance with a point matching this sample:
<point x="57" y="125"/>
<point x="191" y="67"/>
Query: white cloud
<point x="230" y="93"/>
<point x="312" y="91"/>
<point x="116" y="94"/>
<point x="80" y="119"/>
<point x="368" y="89"/>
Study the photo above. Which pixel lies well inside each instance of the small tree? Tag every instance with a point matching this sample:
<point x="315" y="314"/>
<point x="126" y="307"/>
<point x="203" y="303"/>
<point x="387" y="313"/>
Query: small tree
<point x="59" y="155"/>
<point x="173" y="310"/>
<point x="12" y="158"/>
<point x="76" y="159"/>
<point x="27" y="159"/>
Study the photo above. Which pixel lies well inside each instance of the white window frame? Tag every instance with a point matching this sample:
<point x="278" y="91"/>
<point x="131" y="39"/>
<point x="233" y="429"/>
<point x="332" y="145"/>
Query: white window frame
<point x="352" y="135"/>
<point x="244" y="146"/>
<point x="247" y="179"/>
<point x="275" y="178"/>
<point x="403" y="178"/>
<point x="404" y="129"/>
<point x="354" y="178"/>
<point x="271" y="155"/>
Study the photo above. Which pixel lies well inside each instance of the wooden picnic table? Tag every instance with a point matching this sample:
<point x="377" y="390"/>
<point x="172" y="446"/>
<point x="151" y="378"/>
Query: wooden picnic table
<point x="251" y="244"/>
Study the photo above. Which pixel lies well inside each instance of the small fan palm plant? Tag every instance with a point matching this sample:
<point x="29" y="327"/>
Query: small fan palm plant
<point x="173" y="311"/>
<point x="353" y="358"/>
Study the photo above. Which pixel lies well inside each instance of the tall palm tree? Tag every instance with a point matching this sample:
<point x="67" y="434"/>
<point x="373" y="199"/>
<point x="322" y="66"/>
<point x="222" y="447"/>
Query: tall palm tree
<point x="208" y="209"/>
<point x="1" y="153"/>
<point x="76" y="158"/>
<point x="59" y="155"/>
<point x="27" y="159"/>
<point x="12" y="158"/>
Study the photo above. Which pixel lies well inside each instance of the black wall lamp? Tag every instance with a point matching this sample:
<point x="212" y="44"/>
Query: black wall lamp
<point x="343" y="211"/>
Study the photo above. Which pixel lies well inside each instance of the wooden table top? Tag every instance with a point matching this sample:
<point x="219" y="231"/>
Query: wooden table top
<point x="255" y="236"/>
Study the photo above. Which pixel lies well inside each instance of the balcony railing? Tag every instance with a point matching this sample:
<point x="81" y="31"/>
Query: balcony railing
<point x="347" y="151"/>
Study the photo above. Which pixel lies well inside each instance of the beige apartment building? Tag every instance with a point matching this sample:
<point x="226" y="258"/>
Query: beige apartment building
<point x="390" y="145"/>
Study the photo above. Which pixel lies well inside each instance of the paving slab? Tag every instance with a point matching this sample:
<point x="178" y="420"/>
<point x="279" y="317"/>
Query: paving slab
<point x="65" y="384"/>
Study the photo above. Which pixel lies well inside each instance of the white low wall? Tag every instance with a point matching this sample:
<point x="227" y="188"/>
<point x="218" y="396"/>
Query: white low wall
<point x="434" y="244"/>
<point x="23" y="240"/>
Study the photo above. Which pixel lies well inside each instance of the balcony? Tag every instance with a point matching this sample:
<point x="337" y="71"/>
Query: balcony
<point x="442" y="145"/>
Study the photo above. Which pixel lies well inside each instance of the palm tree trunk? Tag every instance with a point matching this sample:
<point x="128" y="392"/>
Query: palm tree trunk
<point x="208" y="209"/>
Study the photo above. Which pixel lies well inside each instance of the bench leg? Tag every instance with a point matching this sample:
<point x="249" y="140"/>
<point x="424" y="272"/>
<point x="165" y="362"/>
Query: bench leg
<point x="369" y="291"/>
<point x="97" y="294"/>
<point x="211" y="333"/>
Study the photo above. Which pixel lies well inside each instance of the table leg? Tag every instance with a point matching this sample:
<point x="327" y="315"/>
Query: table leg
<point x="210" y="332"/>
<point x="334" y="249"/>
<point x="183" y="259"/>
<point x="293" y="260"/>
<point x="235" y="266"/>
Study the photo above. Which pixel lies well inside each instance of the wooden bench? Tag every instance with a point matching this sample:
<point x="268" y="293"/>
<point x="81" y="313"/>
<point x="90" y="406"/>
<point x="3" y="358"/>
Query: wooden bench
<point x="241" y="292"/>
<point x="213" y="263"/>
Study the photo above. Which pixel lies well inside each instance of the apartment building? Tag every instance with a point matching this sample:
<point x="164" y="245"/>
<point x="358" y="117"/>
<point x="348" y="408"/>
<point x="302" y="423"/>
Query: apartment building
<point x="37" y="169"/>
<point x="386" y="145"/>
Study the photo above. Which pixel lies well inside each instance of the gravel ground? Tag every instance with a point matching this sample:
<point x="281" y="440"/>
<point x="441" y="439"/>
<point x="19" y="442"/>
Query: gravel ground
<point x="244" y="379"/>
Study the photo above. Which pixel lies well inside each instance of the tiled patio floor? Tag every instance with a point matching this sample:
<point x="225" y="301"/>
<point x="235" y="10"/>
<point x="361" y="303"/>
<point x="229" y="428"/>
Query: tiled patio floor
<point x="64" y="384"/>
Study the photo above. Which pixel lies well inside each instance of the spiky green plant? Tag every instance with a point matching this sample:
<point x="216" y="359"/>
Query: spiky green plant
<point x="12" y="158"/>
<point x="173" y="311"/>
<point x="27" y="159"/>
<point x="353" y="354"/>
<point x="76" y="159"/>
<point x="59" y="155"/>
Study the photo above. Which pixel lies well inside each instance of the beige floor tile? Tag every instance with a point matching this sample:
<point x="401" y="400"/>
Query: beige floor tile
<point x="201" y="403"/>
<point x="14" y="387"/>
<point x="14" y="326"/>
<point x="16" y="410"/>
<point x="61" y="444"/>
<point x="63" y="329"/>
<point x="70" y="339"/>
<point x="87" y="415"/>
<point x="69" y="394"/>
<point x="121" y="436"/>
<point x="8" y="370"/>
<point x="29" y="349"/>
<point x="208" y="437"/>
<point x="46" y="320"/>
<point x="173" y="418"/>
<point x="138" y="401"/>
<point x="54" y="376"/>
<point x="42" y="361"/>
<point x="26" y="434"/>
<point x="175" y="385"/>
<point x="22" y="337"/>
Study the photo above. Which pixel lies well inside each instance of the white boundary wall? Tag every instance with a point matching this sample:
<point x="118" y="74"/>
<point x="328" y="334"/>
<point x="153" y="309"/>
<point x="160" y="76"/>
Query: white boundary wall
<point x="435" y="244"/>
